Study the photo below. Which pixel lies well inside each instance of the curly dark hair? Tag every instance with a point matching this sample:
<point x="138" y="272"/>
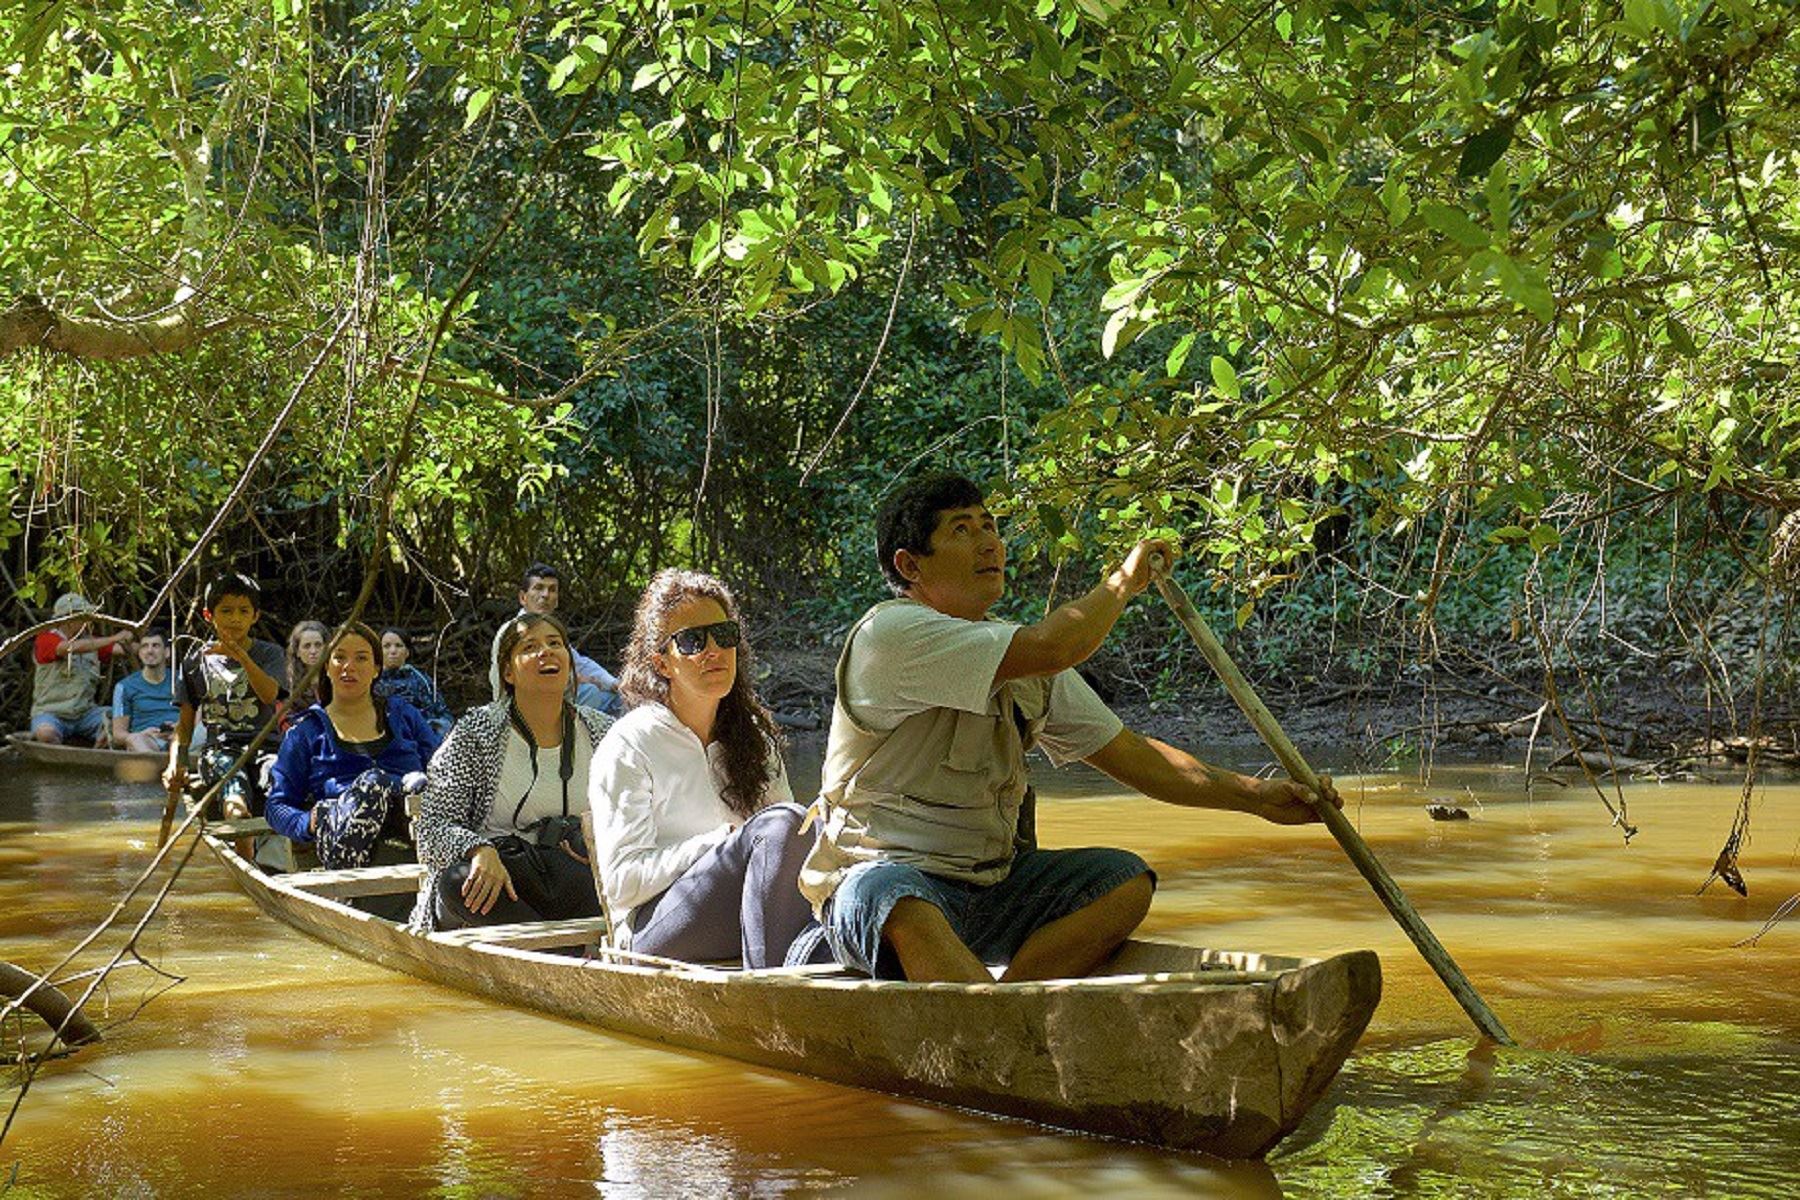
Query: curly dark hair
<point x="750" y="738"/>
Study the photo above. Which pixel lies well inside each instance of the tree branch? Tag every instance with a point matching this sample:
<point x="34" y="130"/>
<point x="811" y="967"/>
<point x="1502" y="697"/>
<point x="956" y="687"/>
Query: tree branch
<point x="31" y="322"/>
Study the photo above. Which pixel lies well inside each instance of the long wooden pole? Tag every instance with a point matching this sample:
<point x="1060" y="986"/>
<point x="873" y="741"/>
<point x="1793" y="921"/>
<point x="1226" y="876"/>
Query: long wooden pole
<point x="171" y="797"/>
<point x="1334" y="819"/>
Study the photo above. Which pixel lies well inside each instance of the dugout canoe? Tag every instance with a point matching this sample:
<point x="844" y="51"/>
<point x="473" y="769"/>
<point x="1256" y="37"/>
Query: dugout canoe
<point x="1214" y="1051"/>
<point x="44" y="754"/>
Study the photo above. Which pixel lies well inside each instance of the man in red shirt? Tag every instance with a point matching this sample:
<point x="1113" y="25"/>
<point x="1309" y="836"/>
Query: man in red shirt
<point x="68" y="672"/>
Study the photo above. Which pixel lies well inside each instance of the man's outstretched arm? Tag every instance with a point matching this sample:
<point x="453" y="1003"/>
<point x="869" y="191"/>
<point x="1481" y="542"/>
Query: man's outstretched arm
<point x="1068" y="635"/>
<point x="1168" y="773"/>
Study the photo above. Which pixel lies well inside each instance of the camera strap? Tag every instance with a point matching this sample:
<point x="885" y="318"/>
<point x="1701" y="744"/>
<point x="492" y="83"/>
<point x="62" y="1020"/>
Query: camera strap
<point x="566" y="764"/>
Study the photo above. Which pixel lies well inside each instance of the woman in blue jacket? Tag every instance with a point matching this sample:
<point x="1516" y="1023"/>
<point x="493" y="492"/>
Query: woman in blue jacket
<point x="346" y="764"/>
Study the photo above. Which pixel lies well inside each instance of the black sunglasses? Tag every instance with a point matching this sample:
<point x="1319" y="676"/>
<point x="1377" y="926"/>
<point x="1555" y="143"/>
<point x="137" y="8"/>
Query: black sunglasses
<point x="692" y="640"/>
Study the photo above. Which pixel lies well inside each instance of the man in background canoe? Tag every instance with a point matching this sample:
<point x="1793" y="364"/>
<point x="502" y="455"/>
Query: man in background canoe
<point x="924" y="868"/>
<point x="144" y="712"/>
<point x="69" y="660"/>
<point x="540" y="592"/>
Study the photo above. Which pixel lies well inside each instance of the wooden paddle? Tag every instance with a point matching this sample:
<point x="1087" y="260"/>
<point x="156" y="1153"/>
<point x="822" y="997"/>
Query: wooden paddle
<point x="1334" y="819"/>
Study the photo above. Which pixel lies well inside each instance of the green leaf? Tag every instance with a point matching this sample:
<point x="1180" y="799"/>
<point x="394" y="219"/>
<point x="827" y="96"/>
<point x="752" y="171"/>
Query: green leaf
<point x="1041" y="270"/>
<point x="559" y="74"/>
<point x="1680" y="338"/>
<point x="1396" y="199"/>
<point x="1225" y="377"/>
<point x="1545" y="537"/>
<point x="1116" y="336"/>
<point x="1642" y="18"/>
<point x="1100" y="11"/>
<point x="706" y="246"/>
<point x="1525" y="286"/>
<point x="1122" y="293"/>
<point x="1482" y="150"/>
<point x="1455" y="224"/>
<point x="1178" y="354"/>
<point x="478" y="102"/>
<point x="1499" y="200"/>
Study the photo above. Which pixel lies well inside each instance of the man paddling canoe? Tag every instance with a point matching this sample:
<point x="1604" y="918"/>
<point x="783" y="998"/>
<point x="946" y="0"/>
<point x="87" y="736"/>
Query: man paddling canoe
<point x="923" y="867"/>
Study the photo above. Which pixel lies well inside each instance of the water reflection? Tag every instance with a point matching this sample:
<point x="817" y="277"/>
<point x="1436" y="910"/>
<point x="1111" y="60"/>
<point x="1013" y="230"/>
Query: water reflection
<point x="1658" y="1060"/>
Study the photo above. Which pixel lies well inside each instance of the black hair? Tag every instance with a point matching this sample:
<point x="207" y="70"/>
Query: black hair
<point x="153" y="633"/>
<point x="909" y="516"/>
<point x="514" y="631"/>
<point x="537" y="570"/>
<point x="231" y="583"/>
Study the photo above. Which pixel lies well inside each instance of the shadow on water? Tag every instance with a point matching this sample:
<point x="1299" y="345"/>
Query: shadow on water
<point x="1658" y="1061"/>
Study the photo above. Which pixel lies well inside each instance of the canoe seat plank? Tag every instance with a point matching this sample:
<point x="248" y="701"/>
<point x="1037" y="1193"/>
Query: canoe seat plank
<point x="527" y="935"/>
<point x="361" y="881"/>
<point x="237" y="829"/>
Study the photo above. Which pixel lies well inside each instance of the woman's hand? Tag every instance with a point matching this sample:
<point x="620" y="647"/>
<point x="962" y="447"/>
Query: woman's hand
<point x="487" y="879"/>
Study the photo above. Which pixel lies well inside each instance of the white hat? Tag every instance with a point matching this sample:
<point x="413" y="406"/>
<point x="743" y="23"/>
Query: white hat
<point x="70" y="603"/>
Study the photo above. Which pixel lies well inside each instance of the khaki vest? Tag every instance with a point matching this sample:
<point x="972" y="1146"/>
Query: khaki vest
<point x="941" y="791"/>
<point x="65" y="687"/>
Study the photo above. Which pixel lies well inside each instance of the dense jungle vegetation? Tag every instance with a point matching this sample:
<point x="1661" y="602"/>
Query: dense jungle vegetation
<point x="1456" y="343"/>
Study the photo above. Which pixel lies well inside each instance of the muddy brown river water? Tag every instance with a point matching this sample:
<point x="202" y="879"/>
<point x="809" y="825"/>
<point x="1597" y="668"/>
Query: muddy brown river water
<point x="1656" y="1059"/>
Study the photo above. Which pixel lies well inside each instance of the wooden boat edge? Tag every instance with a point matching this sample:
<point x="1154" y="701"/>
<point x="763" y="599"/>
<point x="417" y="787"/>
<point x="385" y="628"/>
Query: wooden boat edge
<point x="46" y="754"/>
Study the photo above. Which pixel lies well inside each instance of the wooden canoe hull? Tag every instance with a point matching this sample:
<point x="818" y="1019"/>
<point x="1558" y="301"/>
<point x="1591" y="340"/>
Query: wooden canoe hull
<point x="1185" y="1048"/>
<point x="44" y="754"/>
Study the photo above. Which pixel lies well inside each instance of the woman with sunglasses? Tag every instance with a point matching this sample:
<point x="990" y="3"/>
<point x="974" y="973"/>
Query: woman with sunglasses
<point x="696" y="829"/>
<point x="499" y="824"/>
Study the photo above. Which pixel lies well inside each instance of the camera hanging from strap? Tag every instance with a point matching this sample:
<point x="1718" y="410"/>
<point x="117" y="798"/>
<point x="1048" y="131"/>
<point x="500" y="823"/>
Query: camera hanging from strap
<point x="566" y="765"/>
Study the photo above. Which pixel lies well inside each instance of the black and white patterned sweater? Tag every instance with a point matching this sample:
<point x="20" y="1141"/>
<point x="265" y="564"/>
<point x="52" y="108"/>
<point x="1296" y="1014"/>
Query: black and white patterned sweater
<point x="460" y="785"/>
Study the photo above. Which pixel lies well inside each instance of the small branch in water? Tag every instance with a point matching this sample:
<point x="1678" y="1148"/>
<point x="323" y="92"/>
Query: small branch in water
<point x="1725" y="866"/>
<point x="1775" y="918"/>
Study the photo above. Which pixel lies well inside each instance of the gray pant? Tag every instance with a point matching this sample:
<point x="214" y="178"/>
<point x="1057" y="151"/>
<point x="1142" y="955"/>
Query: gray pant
<point x="742" y="898"/>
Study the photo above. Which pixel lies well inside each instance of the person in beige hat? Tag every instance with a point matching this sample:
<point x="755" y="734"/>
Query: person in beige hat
<point x="69" y="659"/>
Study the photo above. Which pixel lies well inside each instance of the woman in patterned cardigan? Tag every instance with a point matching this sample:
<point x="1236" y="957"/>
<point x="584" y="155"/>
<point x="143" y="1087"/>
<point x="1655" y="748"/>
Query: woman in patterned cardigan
<point x="499" y="823"/>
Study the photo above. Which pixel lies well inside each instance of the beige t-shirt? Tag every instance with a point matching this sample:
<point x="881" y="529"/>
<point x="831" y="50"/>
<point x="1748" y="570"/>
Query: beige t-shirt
<point x="910" y="657"/>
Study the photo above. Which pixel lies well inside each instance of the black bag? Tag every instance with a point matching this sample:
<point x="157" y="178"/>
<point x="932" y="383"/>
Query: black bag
<point x="547" y="877"/>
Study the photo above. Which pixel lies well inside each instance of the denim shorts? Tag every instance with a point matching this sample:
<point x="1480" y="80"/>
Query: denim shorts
<point x="90" y="724"/>
<point x="993" y="920"/>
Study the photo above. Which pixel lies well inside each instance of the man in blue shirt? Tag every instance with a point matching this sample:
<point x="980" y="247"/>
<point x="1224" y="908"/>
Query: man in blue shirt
<point x="143" y="703"/>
